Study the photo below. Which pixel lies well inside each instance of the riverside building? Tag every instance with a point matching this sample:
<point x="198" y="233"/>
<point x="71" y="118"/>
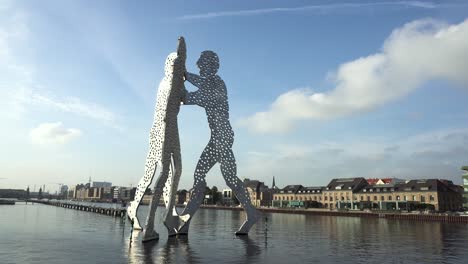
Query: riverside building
<point x="388" y="194"/>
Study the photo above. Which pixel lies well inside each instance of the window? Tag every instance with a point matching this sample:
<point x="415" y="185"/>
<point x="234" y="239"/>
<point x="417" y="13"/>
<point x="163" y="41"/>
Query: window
<point x="368" y="198"/>
<point x="423" y="199"/>
<point x="331" y="198"/>
<point x="424" y="188"/>
<point x="326" y="198"/>
<point x="405" y="197"/>
<point x="364" y="190"/>
<point x="362" y="198"/>
<point x="431" y="198"/>
<point x="382" y="198"/>
<point x="415" y="198"/>
<point x="375" y="198"/>
<point x="390" y="198"/>
<point x="398" y="197"/>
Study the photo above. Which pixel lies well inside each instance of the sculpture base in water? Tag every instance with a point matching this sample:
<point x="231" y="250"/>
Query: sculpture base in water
<point x="150" y="237"/>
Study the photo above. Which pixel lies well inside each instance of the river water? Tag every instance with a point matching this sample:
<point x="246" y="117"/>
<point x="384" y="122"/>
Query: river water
<point x="47" y="234"/>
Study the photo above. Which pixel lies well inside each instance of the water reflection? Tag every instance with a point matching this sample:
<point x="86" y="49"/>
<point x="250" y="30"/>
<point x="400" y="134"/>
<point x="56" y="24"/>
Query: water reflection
<point x="252" y="250"/>
<point x="177" y="250"/>
<point x="173" y="250"/>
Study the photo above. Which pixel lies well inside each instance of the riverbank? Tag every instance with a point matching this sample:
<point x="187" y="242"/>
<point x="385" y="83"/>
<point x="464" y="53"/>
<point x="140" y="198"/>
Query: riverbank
<point x="391" y="215"/>
<point x="370" y="214"/>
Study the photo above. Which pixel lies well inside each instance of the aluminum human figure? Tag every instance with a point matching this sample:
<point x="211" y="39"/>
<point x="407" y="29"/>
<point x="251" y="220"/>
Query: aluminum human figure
<point x="212" y="96"/>
<point x="164" y="149"/>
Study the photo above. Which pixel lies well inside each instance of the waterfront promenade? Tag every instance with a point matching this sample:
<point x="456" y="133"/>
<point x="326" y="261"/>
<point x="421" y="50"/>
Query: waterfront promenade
<point x="357" y="213"/>
<point x="117" y="210"/>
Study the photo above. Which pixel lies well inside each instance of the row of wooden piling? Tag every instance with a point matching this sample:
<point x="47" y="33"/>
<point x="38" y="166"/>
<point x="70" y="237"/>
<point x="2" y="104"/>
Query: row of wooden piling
<point x="115" y="212"/>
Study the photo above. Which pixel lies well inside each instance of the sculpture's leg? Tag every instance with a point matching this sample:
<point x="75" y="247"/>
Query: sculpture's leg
<point x="149" y="233"/>
<point x="132" y="209"/>
<point x="229" y="171"/>
<point x="205" y="163"/>
<point x="171" y="220"/>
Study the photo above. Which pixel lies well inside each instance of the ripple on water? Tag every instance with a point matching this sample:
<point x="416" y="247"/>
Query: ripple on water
<point x="45" y="234"/>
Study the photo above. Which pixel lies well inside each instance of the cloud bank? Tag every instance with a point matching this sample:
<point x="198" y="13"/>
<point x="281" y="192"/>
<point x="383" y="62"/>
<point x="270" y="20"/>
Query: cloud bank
<point x="18" y="85"/>
<point x="418" y="52"/>
<point x="434" y="154"/>
<point x="53" y="134"/>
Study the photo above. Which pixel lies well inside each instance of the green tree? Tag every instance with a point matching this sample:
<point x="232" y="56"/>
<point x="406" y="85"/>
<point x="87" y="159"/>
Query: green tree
<point x="207" y="190"/>
<point x="217" y="196"/>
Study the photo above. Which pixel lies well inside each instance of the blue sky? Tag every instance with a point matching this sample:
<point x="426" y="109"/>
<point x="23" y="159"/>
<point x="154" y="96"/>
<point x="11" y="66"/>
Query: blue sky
<point x="317" y="90"/>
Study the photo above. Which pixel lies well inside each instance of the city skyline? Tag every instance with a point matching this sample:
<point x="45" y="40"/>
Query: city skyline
<point x="329" y="90"/>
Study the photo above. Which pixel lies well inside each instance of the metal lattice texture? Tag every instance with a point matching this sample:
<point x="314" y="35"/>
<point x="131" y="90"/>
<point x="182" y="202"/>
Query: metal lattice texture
<point x="164" y="150"/>
<point x="212" y="96"/>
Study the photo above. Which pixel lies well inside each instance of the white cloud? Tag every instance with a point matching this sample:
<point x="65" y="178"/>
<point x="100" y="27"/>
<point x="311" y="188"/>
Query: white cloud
<point x="53" y="133"/>
<point x="319" y="8"/>
<point x="418" y="52"/>
<point x="70" y="105"/>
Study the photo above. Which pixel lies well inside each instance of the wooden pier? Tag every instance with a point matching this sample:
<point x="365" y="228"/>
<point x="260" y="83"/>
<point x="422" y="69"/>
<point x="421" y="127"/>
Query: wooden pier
<point x="115" y="212"/>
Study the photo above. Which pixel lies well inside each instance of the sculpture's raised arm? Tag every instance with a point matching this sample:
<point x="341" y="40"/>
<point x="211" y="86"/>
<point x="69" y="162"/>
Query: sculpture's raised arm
<point x="193" y="98"/>
<point x="181" y="49"/>
<point x="194" y="79"/>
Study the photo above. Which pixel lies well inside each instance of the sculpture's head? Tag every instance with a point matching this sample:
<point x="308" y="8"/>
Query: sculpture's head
<point x="208" y="63"/>
<point x="173" y="61"/>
